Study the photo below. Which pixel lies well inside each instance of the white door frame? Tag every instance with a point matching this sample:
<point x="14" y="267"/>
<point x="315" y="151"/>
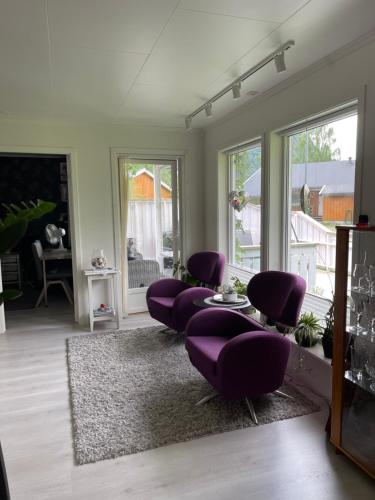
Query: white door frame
<point x="142" y="154"/>
<point x="74" y="221"/>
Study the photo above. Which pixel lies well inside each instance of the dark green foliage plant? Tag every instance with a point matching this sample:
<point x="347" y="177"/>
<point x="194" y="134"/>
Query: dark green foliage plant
<point x="308" y="330"/>
<point x="239" y="286"/>
<point x="13" y="228"/>
<point x="180" y="271"/>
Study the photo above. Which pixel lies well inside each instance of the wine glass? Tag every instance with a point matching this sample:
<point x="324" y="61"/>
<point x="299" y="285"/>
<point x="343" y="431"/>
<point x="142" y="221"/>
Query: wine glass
<point x="371" y="275"/>
<point x="357" y="308"/>
<point x="358" y="357"/>
<point x="370" y="366"/>
<point x="360" y="276"/>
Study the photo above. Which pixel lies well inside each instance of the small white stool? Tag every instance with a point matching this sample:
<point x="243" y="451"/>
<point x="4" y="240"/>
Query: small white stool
<point x="111" y="276"/>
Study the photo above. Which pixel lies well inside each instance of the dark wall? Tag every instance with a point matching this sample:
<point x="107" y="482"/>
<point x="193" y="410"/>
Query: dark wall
<point x="24" y="178"/>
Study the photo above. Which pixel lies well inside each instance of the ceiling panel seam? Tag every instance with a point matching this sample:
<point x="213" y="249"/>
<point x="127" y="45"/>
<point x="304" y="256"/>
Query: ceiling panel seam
<point x="224" y="73"/>
<point x="147" y="57"/>
<point x="229" y="15"/>
<point x="51" y="81"/>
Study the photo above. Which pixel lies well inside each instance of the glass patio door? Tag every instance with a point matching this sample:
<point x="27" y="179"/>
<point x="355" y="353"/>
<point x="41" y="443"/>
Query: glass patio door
<point x="150" y="220"/>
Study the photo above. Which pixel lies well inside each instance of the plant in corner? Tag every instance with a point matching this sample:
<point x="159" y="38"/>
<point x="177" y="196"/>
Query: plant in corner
<point x="308" y="330"/>
<point x="179" y="270"/>
<point x="13" y="228"/>
<point x="327" y="337"/>
<point x="241" y="288"/>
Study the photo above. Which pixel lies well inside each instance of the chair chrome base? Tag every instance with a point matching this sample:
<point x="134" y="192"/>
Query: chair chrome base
<point x="173" y="336"/>
<point x="206" y="398"/>
<point x="168" y="331"/>
<point x="284" y="394"/>
<point x="252" y="411"/>
<point x="248" y="402"/>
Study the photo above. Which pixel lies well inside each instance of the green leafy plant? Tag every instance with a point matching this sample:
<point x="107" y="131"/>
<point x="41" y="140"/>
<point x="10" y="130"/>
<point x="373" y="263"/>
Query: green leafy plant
<point x="327" y="337"/>
<point x="180" y="271"/>
<point x="308" y="330"/>
<point x="239" y="286"/>
<point x="13" y="228"/>
<point x="329" y="320"/>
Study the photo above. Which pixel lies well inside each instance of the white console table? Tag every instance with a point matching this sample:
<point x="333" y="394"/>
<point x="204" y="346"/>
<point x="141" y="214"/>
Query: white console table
<point x="111" y="277"/>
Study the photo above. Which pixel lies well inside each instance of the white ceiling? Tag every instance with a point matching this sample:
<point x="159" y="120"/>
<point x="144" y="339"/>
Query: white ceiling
<point x="155" y="61"/>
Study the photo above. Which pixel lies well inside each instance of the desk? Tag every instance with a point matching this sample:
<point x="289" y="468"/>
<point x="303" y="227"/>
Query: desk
<point x="52" y="254"/>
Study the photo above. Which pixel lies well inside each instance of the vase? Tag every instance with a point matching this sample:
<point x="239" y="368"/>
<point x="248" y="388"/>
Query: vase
<point x="327" y="344"/>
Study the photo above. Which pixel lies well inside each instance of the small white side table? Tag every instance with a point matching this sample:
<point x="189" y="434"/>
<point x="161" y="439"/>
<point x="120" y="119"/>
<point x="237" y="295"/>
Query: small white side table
<point x="111" y="276"/>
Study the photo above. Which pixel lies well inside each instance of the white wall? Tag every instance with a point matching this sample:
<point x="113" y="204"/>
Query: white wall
<point x="91" y="145"/>
<point x="334" y="81"/>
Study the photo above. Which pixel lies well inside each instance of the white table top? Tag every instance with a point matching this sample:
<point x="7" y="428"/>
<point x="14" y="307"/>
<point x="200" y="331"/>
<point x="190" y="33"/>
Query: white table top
<point x="100" y="272"/>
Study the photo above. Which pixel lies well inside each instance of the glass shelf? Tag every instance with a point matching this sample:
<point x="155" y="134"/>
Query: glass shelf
<point x="364" y="382"/>
<point x="367" y="337"/>
<point x="362" y="291"/>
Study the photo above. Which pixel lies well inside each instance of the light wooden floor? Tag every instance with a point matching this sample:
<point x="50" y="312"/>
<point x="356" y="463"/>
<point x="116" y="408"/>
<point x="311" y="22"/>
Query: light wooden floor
<point x="282" y="461"/>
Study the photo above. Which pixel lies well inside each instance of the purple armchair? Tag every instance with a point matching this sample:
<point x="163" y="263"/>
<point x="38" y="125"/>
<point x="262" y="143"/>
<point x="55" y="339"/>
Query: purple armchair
<point x="237" y="359"/>
<point x="171" y="301"/>
<point x="235" y="353"/>
<point x="277" y="295"/>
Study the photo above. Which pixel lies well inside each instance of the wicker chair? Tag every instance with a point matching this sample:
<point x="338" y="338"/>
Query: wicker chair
<point x="142" y="273"/>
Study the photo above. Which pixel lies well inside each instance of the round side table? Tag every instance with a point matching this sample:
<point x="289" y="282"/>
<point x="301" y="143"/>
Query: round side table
<point x="208" y="303"/>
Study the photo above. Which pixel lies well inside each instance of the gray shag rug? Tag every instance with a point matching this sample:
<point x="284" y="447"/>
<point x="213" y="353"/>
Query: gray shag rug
<point x="136" y="390"/>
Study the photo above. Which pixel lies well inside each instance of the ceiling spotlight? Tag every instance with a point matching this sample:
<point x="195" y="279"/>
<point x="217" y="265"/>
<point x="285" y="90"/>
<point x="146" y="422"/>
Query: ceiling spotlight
<point x="280" y="62"/>
<point x="275" y="57"/>
<point x="236" y="90"/>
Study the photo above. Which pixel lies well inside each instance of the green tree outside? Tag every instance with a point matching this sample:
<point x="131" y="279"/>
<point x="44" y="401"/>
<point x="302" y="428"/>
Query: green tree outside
<point x="245" y="164"/>
<point x="315" y="145"/>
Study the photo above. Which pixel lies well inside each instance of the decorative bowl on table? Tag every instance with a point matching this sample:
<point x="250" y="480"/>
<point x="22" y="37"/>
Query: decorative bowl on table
<point x="229" y="294"/>
<point x="222" y="299"/>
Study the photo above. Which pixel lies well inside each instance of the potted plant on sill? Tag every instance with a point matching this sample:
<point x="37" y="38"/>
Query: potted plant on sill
<point x="241" y="288"/>
<point x="327" y="337"/>
<point x="180" y="271"/>
<point x="308" y="330"/>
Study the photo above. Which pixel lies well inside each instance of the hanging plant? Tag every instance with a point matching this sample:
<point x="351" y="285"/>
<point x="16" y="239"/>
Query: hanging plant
<point x="238" y="200"/>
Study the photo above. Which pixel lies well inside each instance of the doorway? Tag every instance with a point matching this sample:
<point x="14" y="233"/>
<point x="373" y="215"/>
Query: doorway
<point x="150" y="222"/>
<point x="25" y="178"/>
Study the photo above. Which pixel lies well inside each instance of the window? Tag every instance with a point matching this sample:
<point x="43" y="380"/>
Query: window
<point x="245" y="213"/>
<point x="321" y="161"/>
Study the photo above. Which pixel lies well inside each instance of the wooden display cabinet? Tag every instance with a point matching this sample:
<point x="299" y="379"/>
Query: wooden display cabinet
<point x="353" y="395"/>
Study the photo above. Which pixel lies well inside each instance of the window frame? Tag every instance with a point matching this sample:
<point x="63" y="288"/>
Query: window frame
<point x="235" y="269"/>
<point x="318" y="303"/>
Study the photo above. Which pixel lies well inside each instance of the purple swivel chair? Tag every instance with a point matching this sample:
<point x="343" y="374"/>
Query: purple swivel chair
<point x="171" y="301"/>
<point x="237" y="356"/>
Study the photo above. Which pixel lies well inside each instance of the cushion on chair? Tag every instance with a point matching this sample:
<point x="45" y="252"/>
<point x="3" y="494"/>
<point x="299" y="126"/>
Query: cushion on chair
<point x="161" y="308"/>
<point x="204" y="353"/>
